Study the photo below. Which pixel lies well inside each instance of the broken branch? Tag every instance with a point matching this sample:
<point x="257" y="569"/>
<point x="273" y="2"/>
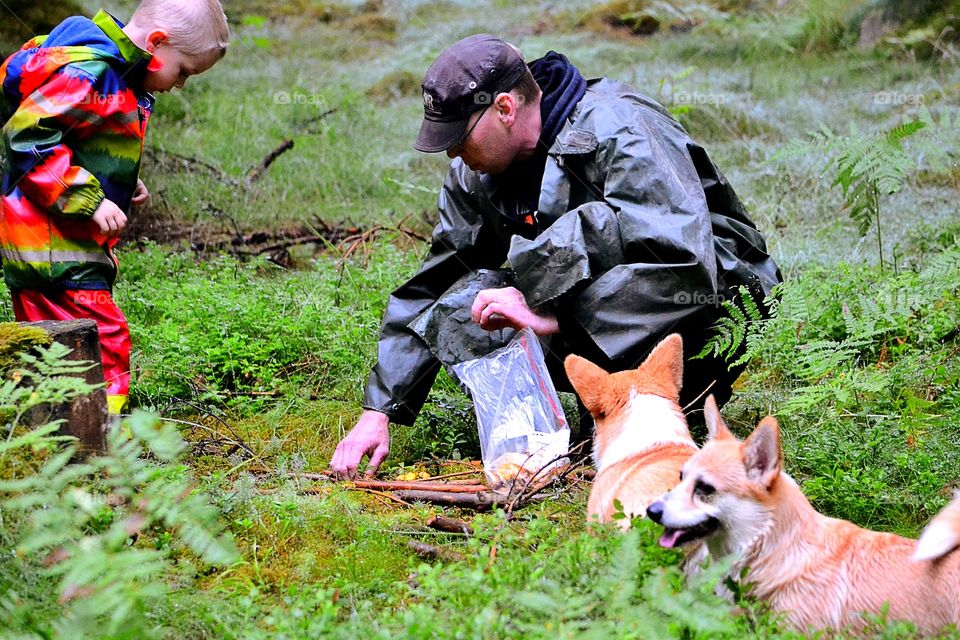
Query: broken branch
<point x="258" y="171"/>
<point x="391" y="485"/>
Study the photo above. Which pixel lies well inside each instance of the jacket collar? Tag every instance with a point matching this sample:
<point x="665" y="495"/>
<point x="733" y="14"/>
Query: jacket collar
<point x="114" y="30"/>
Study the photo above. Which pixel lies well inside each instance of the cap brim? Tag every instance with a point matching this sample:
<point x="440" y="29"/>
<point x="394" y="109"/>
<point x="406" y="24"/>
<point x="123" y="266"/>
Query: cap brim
<point x="439" y="136"/>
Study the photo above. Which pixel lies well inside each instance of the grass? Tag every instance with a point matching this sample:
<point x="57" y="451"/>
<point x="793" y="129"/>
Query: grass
<point x="275" y="358"/>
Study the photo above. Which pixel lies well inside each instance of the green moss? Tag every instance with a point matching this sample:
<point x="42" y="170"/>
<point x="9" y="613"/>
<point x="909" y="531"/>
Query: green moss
<point x="634" y="16"/>
<point x="922" y="29"/>
<point x="644" y="18"/>
<point x="15" y="339"/>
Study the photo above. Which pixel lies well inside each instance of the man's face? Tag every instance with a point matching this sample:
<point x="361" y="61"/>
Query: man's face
<point x="487" y="147"/>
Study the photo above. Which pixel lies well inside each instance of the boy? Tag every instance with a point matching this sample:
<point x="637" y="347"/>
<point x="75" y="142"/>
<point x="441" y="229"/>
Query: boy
<point x="75" y="105"/>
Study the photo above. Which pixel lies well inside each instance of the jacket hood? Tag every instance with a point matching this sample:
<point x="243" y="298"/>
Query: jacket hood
<point x="76" y="39"/>
<point x="84" y="32"/>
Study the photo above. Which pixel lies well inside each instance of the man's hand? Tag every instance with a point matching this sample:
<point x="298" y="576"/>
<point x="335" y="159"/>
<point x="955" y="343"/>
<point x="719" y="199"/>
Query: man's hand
<point x="369" y="437"/>
<point x="110" y="218"/>
<point x="141" y="195"/>
<point x="500" y="308"/>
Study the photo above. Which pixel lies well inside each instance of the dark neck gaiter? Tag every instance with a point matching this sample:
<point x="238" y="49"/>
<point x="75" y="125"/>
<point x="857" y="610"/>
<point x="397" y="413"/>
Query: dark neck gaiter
<point x="563" y="86"/>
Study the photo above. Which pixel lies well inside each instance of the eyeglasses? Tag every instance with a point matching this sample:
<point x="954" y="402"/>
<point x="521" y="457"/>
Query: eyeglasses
<point x="457" y="148"/>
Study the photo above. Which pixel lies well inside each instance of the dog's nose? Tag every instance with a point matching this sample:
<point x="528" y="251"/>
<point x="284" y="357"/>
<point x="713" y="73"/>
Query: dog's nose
<point x="655" y="511"/>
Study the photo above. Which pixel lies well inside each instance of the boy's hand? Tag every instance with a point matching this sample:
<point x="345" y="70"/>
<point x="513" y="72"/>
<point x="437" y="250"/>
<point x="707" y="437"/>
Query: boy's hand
<point x="141" y="195"/>
<point x="110" y="218"/>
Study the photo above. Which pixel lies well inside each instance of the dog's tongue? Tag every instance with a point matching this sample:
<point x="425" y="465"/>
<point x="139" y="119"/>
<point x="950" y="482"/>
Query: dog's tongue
<point x="670" y="537"/>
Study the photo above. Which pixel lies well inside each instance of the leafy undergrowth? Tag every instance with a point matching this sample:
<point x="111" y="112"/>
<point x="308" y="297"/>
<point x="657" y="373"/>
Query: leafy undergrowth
<point x="225" y="329"/>
<point x="261" y="368"/>
<point x="861" y="366"/>
<point x="859" y="363"/>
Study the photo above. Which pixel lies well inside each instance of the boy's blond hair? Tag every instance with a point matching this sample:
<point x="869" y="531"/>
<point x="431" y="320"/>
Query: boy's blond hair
<point x="197" y="28"/>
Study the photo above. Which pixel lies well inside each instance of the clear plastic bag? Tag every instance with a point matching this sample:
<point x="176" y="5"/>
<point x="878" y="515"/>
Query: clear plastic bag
<point x="523" y="432"/>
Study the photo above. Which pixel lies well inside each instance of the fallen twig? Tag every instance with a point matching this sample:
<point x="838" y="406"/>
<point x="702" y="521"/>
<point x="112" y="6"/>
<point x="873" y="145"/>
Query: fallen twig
<point x="236" y="442"/>
<point x="258" y="171"/>
<point x="457" y="474"/>
<point x="478" y="501"/>
<point x="702" y="393"/>
<point x="306" y="124"/>
<point x="395" y="485"/>
<point x="310" y="476"/>
<point x="292" y="242"/>
<point x="411" y="232"/>
<point x="433" y="552"/>
<point x="189" y="163"/>
<point x="380" y="495"/>
<point x="449" y="525"/>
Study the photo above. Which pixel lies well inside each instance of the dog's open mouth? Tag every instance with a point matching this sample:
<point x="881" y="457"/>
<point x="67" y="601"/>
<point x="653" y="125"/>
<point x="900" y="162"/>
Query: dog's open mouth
<point x="676" y="537"/>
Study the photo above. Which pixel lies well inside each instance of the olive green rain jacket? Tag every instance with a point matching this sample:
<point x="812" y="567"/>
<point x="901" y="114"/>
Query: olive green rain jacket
<point x="637" y="235"/>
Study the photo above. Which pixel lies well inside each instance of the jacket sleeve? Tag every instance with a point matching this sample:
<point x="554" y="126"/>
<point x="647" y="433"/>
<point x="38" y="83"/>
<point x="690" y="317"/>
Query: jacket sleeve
<point x="637" y="263"/>
<point x="462" y="242"/>
<point x="35" y="137"/>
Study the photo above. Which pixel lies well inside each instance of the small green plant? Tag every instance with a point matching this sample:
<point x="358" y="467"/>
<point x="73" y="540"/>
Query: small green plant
<point x="72" y="565"/>
<point x="47" y="378"/>
<point x="867" y="167"/>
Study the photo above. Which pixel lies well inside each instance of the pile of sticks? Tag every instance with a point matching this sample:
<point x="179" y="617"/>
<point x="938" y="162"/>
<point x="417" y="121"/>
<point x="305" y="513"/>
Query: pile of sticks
<point x="465" y="489"/>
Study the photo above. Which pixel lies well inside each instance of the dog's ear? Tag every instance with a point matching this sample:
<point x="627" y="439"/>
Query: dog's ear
<point x="716" y="427"/>
<point x="761" y="452"/>
<point x="589" y="381"/>
<point x="665" y="364"/>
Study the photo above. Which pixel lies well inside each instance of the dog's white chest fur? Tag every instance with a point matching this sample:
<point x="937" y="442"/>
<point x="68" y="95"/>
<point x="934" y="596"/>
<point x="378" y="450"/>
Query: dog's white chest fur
<point x="647" y="420"/>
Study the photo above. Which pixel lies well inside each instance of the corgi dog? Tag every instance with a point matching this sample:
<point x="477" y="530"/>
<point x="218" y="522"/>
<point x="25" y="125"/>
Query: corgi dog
<point x="821" y="572"/>
<point x="640" y="437"/>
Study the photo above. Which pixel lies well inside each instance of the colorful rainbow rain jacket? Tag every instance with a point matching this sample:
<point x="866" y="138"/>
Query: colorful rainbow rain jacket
<point x="74" y="115"/>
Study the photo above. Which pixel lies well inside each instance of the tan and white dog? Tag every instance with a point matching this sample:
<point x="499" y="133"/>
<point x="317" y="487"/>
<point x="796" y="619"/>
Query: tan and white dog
<point x="640" y="438"/>
<point x="821" y="572"/>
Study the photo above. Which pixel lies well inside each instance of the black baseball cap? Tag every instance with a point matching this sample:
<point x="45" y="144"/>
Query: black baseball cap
<point x="464" y="79"/>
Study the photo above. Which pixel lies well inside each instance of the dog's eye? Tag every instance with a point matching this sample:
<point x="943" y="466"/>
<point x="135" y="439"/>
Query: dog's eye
<point x="703" y="489"/>
<point x="681" y="475"/>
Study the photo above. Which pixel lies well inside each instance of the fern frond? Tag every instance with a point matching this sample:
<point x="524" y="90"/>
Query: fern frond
<point x="905" y="130"/>
<point x="738" y="335"/>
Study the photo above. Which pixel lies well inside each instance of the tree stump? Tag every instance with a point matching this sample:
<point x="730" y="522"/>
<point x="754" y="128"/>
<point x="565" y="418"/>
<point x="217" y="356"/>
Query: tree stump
<point x="85" y="417"/>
